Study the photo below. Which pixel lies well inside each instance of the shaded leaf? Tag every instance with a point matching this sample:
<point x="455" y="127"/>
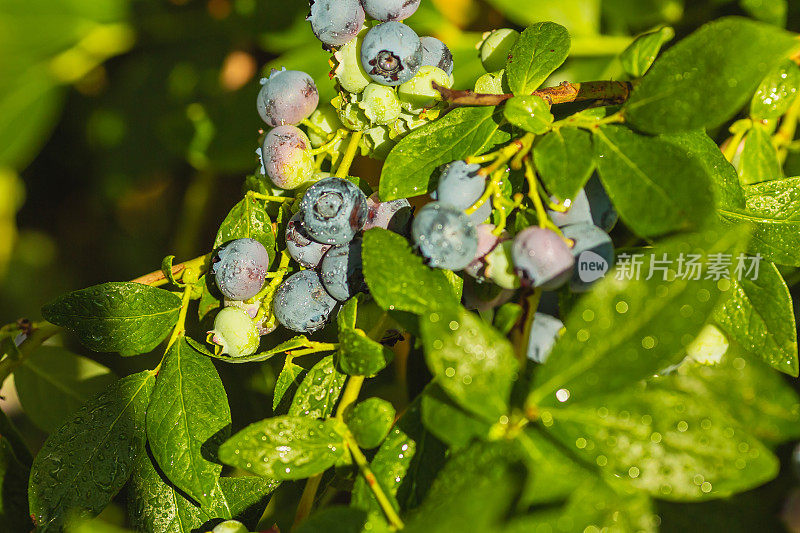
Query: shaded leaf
<point x="564" y="161"/>
<point x="642" y="52"/>
<point x="447" y="421"/>
<point x="758" y="161"/>
<point x="290" y="376"/>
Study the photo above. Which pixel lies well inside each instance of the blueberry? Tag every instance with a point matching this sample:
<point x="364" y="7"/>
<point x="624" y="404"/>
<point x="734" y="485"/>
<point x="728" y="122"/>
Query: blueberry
<point x="391" y="53"/>
<point x="326" y="118"/>
<point x="380" y="104"/>
<point x="418" y="92"/>
<point x="301" y="303"/>
<point x="600" y="206"/>
<point x="460" y="186"/>
<point x="349" y="71"/>
<point x="334" y="211"/>
<point x="240" y="267"/>
<point x="300" y="246"/>
<point x="495" y="48"/>
<point x="577" y="213"/>
<point x="500" y="266"/>
<point x="487" y="240"/>
<point x="286" y="156"/>
<point x="394" y="215"/>
<point x="445" y="236"/>
<point x="436" y="54"/>
<point x="335" y="22"/>
<point x="341" y="270"/>
<point x="230" y="526"/>
<point x="262" y="325"/>
<point x="593" y="252"/>
<point x="542" y="258"/>
<point x="235" y="332"/>
<point x="545" y="331"/>
<point x="390" y="10"/>
<point x="287" y="97"/>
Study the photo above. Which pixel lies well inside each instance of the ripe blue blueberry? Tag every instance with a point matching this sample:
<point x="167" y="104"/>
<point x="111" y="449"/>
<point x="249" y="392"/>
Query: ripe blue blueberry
<point x="301" y="303"/>
<point x="436" y="54"/>
<point x="545" y="331"/>
<point x="287" y="97"/>
<point x="389" y="10"/>
<point x="445" y="236"/>
<point x="593" y="252"/>
<point x="391" y="53"/>
<point x="578" y="211"/>
<point x="542" y="258"/>
<point x="334" y="211"/>
<point x="460" y="186"/>
<point x="335" y="22"/>
<point x="286" y="155"/>
<point x="341" y="270"/>
<point x="240" y="267"/>
<point x="603" y="213"/>
<point x="300" y="246"/>
<point x="394" y="215"/>
<point x="234" y="333"/>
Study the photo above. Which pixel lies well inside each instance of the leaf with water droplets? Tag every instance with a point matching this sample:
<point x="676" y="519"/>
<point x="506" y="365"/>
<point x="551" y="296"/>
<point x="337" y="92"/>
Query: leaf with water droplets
<point x="758" y="161"/>
<point x="397" y="278"/>
<point x="290" y="377"/>
<point x="470" y="360"/>
<point x="776" y="93"/>
<point x="316" y="397"/>
<point x="539" y="51"/>
<point x="773" y="210"/>
<point x="707" y="77"/>
<point x="564" y="161"/>
<point x="629" y="328"/>
<point x="673" y="445"/>
<point x="247" y="219"/>
<point x="84" y="463"/>
<point x="369" y="421"/>
<point x="286" y="447"/>
<point x="129" y="318"/>
<point x="54" y="383"/>
<point x="462" y="132"/>
<point x="447" y="421"/>
<point x="759" y="317"/>
<point x="358" y="355"/>
<point x="188" y="418"/>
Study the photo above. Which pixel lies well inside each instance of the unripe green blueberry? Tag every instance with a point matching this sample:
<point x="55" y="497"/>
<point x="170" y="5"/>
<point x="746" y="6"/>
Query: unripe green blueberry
<point x="230" y="526"/>
<point x="353" y="117"/>
<point x="287" y="157"/>
<point x="325" y="118"/>
<point x="490" y="83"/>
<point x="234" y="332"/>
<point x="494" y="49"/>
<point x="380" y="104"/>
<point x="418" y="92"/>
<point x="709" y="347"/>
<point x="349" y="71"/>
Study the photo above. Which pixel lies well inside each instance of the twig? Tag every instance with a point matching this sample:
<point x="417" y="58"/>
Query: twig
<point x="157" y="277"/>
<point x="613" y="91"/>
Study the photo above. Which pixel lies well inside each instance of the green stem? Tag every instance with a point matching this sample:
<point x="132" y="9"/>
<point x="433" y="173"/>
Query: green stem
<point x="328" y="146"/>
<point x="41" y="332"/>
<point x="180" y="326"/>
<point x="198" y="264"/>
<point x="533" y="193"/>
<point x="306" y="500"/>
<point x="350" y="395"/>
<point x="268" y="198"/>
<point x="374" y="485"/>
<point x="349" y="155"/>
<point x="315" y="347"/>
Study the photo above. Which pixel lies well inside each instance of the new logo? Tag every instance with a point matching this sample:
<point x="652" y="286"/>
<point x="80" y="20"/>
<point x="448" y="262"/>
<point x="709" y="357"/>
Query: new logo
<point x="591" y="266"/>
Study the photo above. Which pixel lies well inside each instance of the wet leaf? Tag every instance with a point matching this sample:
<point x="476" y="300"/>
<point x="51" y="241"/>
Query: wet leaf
<point x="540" y="50"/>
<point x="564" y="161"/>
<point x="248" y="219"/>
<point x="317" y="395"/>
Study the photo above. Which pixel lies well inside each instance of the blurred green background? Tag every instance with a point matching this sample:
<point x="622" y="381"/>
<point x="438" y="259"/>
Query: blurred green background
<point x="127" y="128"/>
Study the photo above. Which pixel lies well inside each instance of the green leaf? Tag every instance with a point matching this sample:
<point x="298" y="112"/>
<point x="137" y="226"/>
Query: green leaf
<point x="728" y="192"/>
<point x="773" y="209"/>
<point x="286" y="447"/>
<point x="9" y="432"/>
<point x="677" y="446"/>
<point x="777" y="92"/>
<point x="334" y="519"/>
<point x="358" y="355"/>
<point x="54" y="383"/>
<point x="300" y="341"/>
<point x="531" y="113"/>
<point x="447" y="421"/>
<point x="208" y="302"/>
<point x="747" y="390"/>
<point x="129" y="318"/>
<point x="506" y="317"/>
<point x="656" y="187"/>
<point x="247" y="219"/>
<point x="316" y="397"/>
<point x="624" y="330"/>
<point x="759" y="317"/>
<point x="539" y="51"/>
<point x="370" y="421"/>
<point x="707" y="77"/>
<point x="470" y="360"/>
<point x="397" y="277"/>
<point x="759" y="161"/>
<point x="187" y="419"/>
<point x="557" y="473"/>
<point x="473" y="492"/>
<point x="14" y="494"/>
<point x="564" y="161"/>
<point x="771" y="11"/>
<point x="460" y="133"/>
<point x="84" y="463"/>
<point x="247" y="497"/>
<point x="642" y="52"/>
<point x="290" y="376"/>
